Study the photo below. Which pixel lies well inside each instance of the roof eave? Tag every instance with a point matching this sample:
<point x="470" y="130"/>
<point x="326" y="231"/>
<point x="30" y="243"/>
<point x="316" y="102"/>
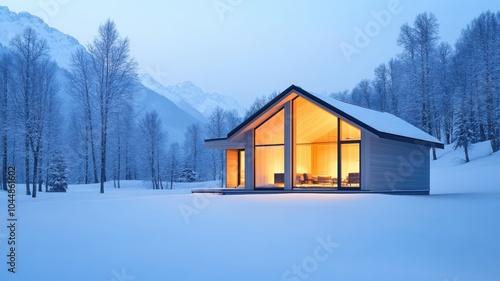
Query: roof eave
<point x="223" y="144"/>
<point x="410" y="140"/>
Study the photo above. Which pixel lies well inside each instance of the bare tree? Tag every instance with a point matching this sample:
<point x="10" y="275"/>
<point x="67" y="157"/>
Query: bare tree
<point x="259" y="103"/>
<point x="446" y="98"/>
<point x="29" y="50"/>
<point x="217" y="129"/>
<point x="153" y="135"/>
<point x="174" y="161"/>
<point x="365" y="91"/>
<point x="192" y="147"/>
<point x="5" y="85"/>
<point x="81" y="78"/>
<point x="116" y="74"/>
<point x="380" y="85"/>
<point x="232" y="119"/>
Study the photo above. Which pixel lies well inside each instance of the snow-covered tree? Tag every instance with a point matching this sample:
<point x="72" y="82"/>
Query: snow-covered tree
<point x="446" y="98"/>
<point x="80" y="85"/>
<point x="58" y="173"/>
<point x="381" y="85"/>
<point x="5" y="87"/>
<point x="154" y="138"/>
<point x="194" y="148"/>
<point x="115" y="76"/>
<point x="187" y="175"/>
<point x="217" y="129"/>
<point x="174" y="162"/>
<point x="37" y="87"/>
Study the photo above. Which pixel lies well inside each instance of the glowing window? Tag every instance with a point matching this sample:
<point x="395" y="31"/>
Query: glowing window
<point x="349" y="132"/>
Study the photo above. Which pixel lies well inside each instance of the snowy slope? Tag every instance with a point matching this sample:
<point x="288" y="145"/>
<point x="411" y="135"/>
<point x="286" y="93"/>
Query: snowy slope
<point x="61" y="46"/>
<point x="174" y="119"/>
<point x="191" y="98"/>
<point x="141" y="234"/>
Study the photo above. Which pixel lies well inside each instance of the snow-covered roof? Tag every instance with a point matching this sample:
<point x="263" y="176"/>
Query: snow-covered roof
<point x="383" y="124"/>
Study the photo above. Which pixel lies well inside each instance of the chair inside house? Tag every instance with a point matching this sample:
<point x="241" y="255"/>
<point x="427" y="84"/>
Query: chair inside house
<point x="353" y="178"/>
<point x="307" y="179"/>
<point x="320" y="180"/>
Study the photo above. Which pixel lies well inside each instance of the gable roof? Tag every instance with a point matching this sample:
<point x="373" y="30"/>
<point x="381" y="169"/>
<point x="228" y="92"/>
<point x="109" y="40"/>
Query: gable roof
<point x="382" y="124"/>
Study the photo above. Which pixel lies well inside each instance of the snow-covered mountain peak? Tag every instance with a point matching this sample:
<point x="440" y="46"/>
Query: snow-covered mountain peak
<point x="192" y="98"/>
<point x="61" y="45"/>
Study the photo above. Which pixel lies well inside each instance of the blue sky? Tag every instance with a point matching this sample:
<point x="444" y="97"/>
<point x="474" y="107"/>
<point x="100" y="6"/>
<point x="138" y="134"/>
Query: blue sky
<point x="248" y="48"/>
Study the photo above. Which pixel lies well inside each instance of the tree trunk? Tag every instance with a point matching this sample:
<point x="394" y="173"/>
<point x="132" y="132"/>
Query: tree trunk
<point x="103" y="151"/>
<point x="86" y="153"/>
<point x="35" y="172"/>
<point x="128" y="175"/>
<point x="39" y="171"/>
<point x="466" y="150"/>
<point x="158" y="169"/>
<point x="119" y="160"/>
<point x="172" y="173"/>
<point x="27" y="163"/>
<point x="91" y="135"/>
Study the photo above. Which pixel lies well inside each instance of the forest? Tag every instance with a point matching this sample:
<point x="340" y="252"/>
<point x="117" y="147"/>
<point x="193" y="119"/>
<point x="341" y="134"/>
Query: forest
<point x="450" y="91"/>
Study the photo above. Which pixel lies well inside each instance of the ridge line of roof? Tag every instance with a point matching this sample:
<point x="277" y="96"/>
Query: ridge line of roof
<point x="336" y="110"/>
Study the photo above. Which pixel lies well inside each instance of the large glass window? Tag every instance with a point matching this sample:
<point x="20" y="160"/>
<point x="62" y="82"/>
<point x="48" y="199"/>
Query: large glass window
<point x="350" y="155"/>
<point x="242" y="167"/>
<point x="315" y="145"/>
<point x="349" y="132"/>
<point x="270" y="152"/>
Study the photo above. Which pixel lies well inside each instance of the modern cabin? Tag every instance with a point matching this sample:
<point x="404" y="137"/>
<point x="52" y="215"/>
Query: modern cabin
<point x="301" y="141"/>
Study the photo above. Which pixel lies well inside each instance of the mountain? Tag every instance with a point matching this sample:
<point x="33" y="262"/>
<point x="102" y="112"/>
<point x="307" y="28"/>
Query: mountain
<point x="174" y="119"/>
<point x="192" y="98"/>
<point x="178" y="106"/>
<point x="61" y="45"/>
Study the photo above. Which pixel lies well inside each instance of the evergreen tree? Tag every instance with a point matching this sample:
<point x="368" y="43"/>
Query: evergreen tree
<point x="187" y="175"/>
<point x="58" y="173"/>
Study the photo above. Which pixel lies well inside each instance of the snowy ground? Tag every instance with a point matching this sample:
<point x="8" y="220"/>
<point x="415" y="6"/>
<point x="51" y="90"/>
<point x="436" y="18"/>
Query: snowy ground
<point x="141" y="234"/>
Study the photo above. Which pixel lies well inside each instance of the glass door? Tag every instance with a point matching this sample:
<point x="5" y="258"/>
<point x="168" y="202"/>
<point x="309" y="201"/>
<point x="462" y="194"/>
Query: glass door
<point x="350" y="165"/>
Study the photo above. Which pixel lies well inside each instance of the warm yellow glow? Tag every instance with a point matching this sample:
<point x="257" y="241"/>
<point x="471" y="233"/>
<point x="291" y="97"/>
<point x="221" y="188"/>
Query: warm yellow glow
<point x="231" y="168"/>
<point x="313" y="124"/>
<point x="349" y="132"/>
<point x="269" y="151"/>
<point x="316" y="144"/>
<point x="242" y="168"/>
<point x="272" y="131"/>
<point x="269" y="160"/>
<point x="350" y="155"/>
<point x="316" y="149"/>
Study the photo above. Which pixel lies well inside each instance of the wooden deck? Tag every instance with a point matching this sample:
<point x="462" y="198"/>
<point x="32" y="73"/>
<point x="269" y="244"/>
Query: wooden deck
<point x="239" y="191"/>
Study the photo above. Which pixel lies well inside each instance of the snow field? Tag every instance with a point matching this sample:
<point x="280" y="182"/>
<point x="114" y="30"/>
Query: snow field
<point x="141" y="234"/>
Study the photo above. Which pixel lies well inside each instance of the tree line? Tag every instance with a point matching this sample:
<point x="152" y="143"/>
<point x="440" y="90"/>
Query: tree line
<point x="79" y="125"/>
<point x="450" y="92"/>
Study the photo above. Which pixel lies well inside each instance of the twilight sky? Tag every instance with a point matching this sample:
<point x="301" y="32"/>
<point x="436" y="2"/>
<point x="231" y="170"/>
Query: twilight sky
<point x="250" y="48"/>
